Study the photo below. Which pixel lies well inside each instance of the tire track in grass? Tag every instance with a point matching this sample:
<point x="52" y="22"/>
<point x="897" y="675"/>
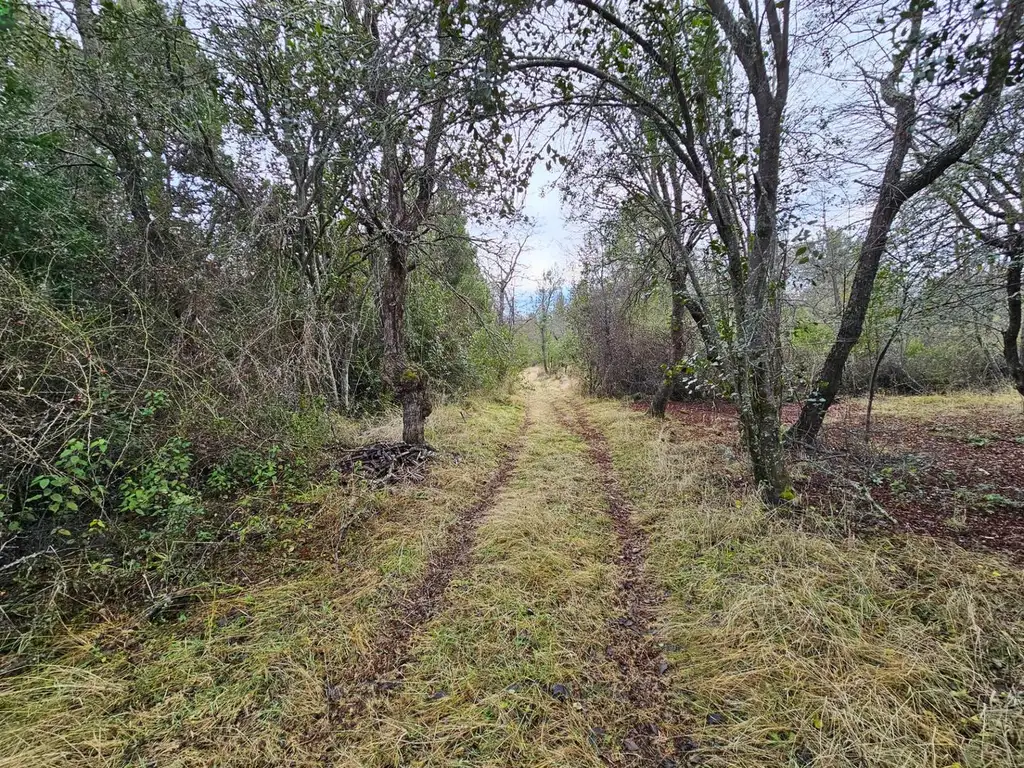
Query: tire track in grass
<point x="635" y="646"/>
<point x="383" y="669"/>
<point x="505" y="674"/>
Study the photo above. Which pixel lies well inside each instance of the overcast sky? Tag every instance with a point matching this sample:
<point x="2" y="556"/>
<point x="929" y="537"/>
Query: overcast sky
<point x="555" y="240"/>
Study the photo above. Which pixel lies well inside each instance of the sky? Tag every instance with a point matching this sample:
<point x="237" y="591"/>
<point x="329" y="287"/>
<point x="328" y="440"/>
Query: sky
<point x="555" y="240"/>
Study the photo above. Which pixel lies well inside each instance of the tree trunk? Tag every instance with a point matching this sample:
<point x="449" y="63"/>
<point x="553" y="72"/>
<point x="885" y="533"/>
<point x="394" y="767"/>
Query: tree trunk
<point x="761" y="427"/>
<point x="408" y="382"/>
<point x="680" y="301"/>
<point x="830" y="377"/>
<point x="1011" y="340"/>
<point x="344" y="374"/>
<point x="307" y="353"/>
<point x="760" y="419"/>
<point x="873" y="381"/>
<point x="660" y="400"/>
<point x="334" y="396"/>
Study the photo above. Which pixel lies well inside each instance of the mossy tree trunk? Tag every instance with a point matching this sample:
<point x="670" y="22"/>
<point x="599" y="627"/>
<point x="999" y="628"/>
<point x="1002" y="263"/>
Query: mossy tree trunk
<point x="408" y="381"/>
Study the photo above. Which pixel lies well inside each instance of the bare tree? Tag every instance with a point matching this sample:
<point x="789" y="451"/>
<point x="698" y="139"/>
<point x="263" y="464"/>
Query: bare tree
<point x="549" y="290"/>
<point x="502" y="265"/>
<point x="986" y="194"/>
<point x="416" y="103"/>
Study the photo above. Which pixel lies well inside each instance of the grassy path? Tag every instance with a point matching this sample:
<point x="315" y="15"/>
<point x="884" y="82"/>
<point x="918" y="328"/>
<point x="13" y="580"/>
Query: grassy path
<point x="513" y="671"/>
<point x="574" y="585"/>
<point x="635" y="642"/>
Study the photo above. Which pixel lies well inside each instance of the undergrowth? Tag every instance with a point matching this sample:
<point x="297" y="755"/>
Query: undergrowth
<point x="236" y="670"/>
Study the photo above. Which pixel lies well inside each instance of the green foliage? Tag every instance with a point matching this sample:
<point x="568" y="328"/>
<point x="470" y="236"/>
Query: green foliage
<point x="45" y="230"/>
<point x="153" y="402"/>
<point x="160" y="489"/>
<point x="251" y="471"/>
<point x="454" y="333"/>
<point x="80" y="475"/>
<point x="810" y="334"/>
<point x="495" y="355"/>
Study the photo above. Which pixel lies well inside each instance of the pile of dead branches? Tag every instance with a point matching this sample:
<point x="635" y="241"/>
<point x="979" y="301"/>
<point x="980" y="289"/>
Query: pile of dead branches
<point x="385" y="463"/>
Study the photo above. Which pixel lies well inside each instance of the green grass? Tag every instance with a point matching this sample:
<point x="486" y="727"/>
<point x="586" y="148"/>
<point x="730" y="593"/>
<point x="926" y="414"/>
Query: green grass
<point x="1004" y="402"/>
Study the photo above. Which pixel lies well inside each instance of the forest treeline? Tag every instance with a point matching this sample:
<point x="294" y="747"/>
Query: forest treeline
<point x="222" y="225"/>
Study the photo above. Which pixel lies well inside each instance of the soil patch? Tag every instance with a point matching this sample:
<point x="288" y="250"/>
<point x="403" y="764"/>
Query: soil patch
<point x="954" y="475"/>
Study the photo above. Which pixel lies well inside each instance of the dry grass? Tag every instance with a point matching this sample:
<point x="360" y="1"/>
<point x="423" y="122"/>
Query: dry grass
<point x="530" y="614"/>
<point x="806" y="644"/>
<point x="889" y="652"/>
<point x="241" y="680"/>
<point x="927" y="407"/>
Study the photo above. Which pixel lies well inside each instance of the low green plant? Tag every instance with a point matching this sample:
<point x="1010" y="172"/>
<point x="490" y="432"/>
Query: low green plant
<point x="79" y="475"/>
<point x="160" y="489"/>
<point x="245" y="469"/>
<point x="153" y="402"/>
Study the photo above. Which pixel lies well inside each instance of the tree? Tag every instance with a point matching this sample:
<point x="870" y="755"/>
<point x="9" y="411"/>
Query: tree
<point x="671" y="64"/>
<point x="46" y="229"/>
<point x="140" y="90"/>
<point x="549" y="291"/>
<point x="294" y="103"/>
<point x="986" y="194"/>
<point x="917" y="50"/>
<point x="502" y="268"/>
<point x="636" y="178"/>
<point x="418" y="124"/>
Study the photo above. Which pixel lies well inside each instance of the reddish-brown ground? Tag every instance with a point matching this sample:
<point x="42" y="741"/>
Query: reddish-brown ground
<point x="955" y="473"/>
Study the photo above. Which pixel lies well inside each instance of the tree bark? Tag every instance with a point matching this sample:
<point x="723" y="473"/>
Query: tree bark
<point x="1011" y="336"/>
<point x="333" y="390"/>
<point x="827" y="382"/>
<point x="344" y="374"/>
<point x="544" y="347"/>
<point x="761" y="428"/>
<point x="680" y="304"/>
<point x="408" y="381"/>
